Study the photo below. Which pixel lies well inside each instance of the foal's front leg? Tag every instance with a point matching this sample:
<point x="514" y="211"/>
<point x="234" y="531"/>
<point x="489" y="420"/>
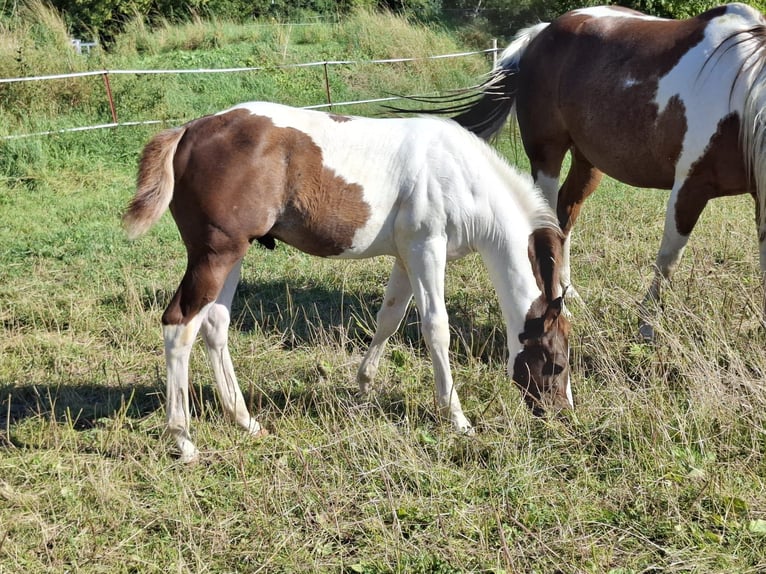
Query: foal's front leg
<point x="427" y="264"/>
<point x="395" y="302"/>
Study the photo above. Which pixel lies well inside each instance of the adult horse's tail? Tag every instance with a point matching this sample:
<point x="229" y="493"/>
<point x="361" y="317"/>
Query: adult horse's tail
<point x="156" y="180"/>
<point x="488" y="114"/>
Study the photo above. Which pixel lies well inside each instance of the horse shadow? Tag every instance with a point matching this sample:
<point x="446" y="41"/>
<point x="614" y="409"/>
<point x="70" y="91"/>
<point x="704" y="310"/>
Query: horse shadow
<point x="82" y="406"/>
<point x="306" y="314"/>
<point x="302" y="316"/>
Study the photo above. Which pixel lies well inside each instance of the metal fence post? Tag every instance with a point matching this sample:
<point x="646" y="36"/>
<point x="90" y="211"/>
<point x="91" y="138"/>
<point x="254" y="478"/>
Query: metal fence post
<point x="109" y="96"/>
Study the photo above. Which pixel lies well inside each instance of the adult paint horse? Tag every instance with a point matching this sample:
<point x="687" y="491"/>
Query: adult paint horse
<point x="423" y="190"/>
<point x="668" y="104"/>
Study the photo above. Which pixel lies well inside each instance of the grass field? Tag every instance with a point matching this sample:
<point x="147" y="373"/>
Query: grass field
<point x="660" y="468"/>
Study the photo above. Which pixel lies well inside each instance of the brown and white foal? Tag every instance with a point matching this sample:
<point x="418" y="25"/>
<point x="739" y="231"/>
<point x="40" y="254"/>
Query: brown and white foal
<point x="422" y="190"/>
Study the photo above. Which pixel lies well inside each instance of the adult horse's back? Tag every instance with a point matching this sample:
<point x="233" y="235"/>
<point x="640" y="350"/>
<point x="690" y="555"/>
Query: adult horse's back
<point x="668" y="104"/>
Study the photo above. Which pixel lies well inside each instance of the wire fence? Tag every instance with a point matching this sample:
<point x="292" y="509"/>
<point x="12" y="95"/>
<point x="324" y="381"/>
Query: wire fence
<point x="326" y="64"/>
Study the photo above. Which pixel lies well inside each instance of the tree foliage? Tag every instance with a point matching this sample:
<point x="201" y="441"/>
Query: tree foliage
<point x="501" y="18"/>
<point x="106" y="17"/>
<point x="504" y="17"/>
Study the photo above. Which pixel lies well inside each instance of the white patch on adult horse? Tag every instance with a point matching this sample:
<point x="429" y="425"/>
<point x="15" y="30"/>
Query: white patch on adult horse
<point x="704" y="97"/>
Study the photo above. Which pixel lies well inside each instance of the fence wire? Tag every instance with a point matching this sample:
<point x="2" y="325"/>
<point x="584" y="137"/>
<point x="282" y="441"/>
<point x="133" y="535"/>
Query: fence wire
<point x="106" y="73"/>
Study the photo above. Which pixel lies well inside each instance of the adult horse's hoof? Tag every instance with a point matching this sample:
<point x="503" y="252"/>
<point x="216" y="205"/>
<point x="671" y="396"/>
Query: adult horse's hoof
<point x="646" y="331"/>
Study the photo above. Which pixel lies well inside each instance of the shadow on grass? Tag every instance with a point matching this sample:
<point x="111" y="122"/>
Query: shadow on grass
<point x="82" y="406"/>
<point x="301" y="314"/>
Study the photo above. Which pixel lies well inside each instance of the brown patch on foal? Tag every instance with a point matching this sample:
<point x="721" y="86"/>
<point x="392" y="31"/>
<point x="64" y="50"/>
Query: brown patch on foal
<point x="240" y="177"/>
<point x="546" y="330"/>
<point x="339" y="118"/>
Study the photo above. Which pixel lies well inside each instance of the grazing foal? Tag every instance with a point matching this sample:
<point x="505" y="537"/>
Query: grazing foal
<point x="668" y="104"/>
<point x="422" y="190"/>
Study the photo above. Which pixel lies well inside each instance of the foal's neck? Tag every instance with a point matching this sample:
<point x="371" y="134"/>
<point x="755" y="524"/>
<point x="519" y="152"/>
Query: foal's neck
<point x="508" y="266"/>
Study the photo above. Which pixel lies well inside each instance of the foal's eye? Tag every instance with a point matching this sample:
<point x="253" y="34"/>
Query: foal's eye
<point x="551" y="368"/>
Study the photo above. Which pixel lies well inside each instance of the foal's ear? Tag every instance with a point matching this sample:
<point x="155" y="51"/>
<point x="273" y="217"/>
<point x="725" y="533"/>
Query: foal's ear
<point x="537" y="327"/>
<point x="553" y="312"/>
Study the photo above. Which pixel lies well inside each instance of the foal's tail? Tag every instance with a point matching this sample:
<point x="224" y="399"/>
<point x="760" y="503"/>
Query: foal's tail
<point x="154" y="189"/>
<point x="488" y="114"/>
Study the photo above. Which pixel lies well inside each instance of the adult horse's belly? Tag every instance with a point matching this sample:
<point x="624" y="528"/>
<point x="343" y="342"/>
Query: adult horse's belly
<point x="627" y="140"/>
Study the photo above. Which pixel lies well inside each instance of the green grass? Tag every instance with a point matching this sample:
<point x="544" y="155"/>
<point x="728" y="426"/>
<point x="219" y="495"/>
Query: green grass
<point x="660" y="468"/>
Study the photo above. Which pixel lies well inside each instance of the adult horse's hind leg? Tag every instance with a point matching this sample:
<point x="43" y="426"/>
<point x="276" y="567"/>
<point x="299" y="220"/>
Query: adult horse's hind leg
<point x="395" y="302"/>
<point x="215" y="334"/>
<point x="761" y="227"/>
<point x="581" y="181"/>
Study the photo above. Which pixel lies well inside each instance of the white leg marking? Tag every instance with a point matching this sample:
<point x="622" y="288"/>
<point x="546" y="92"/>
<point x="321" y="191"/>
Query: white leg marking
<point x="396" y="299"/>
<point x="178" y="345"/>
<point x="426" y="265"/>
<point x="671" y="249"/>
<point x="215" y="334"/>
<point x="549" y="185"/>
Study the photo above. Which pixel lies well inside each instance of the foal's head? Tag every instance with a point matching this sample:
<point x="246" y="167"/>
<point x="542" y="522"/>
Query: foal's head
<point x="541" y="369"/>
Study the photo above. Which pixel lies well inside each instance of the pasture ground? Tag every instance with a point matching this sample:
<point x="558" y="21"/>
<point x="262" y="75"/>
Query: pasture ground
<point x="660" y="468"/>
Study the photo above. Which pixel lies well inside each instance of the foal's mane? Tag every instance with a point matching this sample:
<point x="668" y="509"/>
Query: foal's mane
<point x="519" y="184"/>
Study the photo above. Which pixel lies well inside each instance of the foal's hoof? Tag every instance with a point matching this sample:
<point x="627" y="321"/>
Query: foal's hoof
<point x="188" y="455"/>
<point x="255" y="430"/>
<point x="462" y="426"/>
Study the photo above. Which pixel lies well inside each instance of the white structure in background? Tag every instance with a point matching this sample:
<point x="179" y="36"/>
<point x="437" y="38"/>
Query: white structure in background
<point x="80" y="46"/>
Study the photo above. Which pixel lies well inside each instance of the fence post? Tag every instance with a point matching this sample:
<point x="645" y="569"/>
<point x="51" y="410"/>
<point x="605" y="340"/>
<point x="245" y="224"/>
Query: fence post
<point x="494" y="53"/>
<point x="327" y="86"/>
<point x="109" y="96"/>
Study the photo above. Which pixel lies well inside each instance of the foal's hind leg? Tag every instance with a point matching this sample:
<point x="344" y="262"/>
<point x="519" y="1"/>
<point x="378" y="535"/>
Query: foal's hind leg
<point x="395" y="302"/>
<point x="215" y="333"/>
<point x="179" y="339"/>
<point x="182" y="320"/>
